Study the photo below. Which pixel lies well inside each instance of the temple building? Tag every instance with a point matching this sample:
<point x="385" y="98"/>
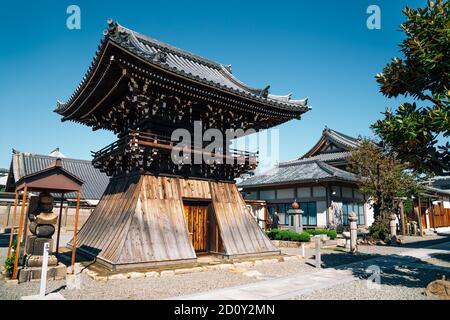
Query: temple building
<point x="318" y="180"/>
<point x="160" y="208"/>
<point x="26" y="163"/>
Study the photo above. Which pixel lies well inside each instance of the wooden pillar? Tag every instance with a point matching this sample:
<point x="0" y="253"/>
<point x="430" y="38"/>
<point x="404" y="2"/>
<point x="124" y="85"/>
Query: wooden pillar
<point x="419" y="216"/>
<point x="19" y="234"/>
<point x="13" y="226"/>
<point x="59" y="223"/>
<point x="74" y="242"/>
<point x="402" y="217"/>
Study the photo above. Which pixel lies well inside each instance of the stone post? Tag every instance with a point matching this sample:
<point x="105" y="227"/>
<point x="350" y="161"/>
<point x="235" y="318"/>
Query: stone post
<point x="415" y="228"/>
<point x="296" y="225"/>
<point x="353" y="232"/>
<point x="408" y="229"/>
<point x="317" y="241"/>
<point x="44" y="270"/>
<point x="393" y="227"/>
<point x="300" y="221"/>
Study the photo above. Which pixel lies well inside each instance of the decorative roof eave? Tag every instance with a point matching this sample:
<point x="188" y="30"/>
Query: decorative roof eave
<point x="328" y="135"/>
<point x="334" y="174"/>
<point x="295" y="182"/>
<point x="111" y="36"/>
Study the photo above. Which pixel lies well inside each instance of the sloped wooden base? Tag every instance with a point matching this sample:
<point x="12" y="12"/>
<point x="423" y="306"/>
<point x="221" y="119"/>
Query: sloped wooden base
<point x="140" y="222"/>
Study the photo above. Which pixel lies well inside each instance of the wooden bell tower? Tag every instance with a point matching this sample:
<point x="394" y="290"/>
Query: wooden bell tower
<point x="156" y="210"/>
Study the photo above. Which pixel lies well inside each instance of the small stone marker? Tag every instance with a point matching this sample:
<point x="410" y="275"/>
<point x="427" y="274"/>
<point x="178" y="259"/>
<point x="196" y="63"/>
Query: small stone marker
<point x="44" y="270"/>
<point x="41" y="295"/>
<point x="353" y="232"/>
<point x="318" y="240"/>
<point x="303" y="250"/>
<point x="415" y="231"/>
<point x="393" y="227"/>
<point x="408" y="229"/>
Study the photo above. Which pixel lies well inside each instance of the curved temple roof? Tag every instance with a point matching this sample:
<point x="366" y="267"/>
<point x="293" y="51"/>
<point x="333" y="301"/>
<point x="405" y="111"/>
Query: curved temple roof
<point x="339" y="139"/>
<point x="299" y="171"/>
<point x="187" y="65"/>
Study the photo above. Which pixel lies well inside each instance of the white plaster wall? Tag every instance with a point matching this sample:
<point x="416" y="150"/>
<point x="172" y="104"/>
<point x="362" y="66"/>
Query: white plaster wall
<point x="319" y="191"/>
<point x="267" y="194"/>
<point x="285" y="193"/>
<point x="369" y="214"/>
<point x="321" y="214"/>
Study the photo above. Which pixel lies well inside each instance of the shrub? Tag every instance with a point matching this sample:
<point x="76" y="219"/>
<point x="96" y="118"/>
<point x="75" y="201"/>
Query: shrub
<point x="288" y="235"/>
<point x="301" y="237"/>
<point x="9" y="261"/>
<point x="379" y="230"/>
<point x="9" y="264"/>
<point x="272" y="233"/>
<point x="330" y="233"/>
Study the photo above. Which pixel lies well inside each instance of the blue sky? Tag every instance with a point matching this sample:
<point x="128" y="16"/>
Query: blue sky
<point x="319" y="49"/>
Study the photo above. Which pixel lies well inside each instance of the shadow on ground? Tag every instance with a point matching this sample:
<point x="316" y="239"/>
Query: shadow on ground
<point x="394" y="270"/>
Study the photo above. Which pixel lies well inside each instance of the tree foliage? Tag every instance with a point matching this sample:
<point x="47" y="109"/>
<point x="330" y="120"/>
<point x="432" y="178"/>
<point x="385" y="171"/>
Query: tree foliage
<point x="419" y="135"/>
<point x="382" y="177"/>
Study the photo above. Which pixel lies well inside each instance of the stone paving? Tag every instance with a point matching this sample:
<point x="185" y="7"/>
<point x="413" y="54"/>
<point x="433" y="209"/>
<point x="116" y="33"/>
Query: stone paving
<point x="301" y="284"/>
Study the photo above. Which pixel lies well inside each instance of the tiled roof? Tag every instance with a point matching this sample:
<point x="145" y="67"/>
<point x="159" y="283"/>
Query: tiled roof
<point x="437" y="190"/>
<point x="326" y="157"/>
<point x="299" y="171"/>
<point x="343" y="142"/>
<point x="95" y="182"/>
<point x="340" y="138"/>
<point x="191" y="66"/>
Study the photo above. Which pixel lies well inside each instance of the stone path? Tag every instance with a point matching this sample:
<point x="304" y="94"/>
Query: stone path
<point x="426" y="253"/>
<point x="277" y="289"/>
<point x="299" y="284"/>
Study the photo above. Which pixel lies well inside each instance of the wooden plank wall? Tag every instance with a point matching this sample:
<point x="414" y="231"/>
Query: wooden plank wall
<point x="195" y="189"/>
<point x="439" y="216"/>
<point x="158" y="231"/>
<point x="140" y="219"/>
<point x="239" y="231"/>
<point x="104" y="232"/>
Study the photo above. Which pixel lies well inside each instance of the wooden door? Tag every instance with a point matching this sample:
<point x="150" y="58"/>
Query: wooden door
<point x="195" y="216"/>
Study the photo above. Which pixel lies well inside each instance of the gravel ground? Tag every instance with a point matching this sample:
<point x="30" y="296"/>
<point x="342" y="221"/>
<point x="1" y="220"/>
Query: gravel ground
<point x="357" y="290"/>
<point x="145" y="288"/>
<point x="405" y="282"/>
<point x="398" y="283"/>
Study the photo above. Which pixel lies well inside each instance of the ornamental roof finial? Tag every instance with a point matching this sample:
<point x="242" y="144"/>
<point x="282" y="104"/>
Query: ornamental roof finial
<point x="112" y="26"/>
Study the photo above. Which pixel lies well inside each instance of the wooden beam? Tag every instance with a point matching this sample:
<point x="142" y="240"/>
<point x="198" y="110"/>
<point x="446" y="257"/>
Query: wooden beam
<point x="59" y="223"/>
<point x="75" y="229"/>
<point x="13" y="226"/>
<point x="19" y="235"/>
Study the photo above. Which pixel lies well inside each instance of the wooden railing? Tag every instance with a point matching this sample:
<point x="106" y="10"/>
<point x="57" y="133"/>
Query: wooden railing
<point x="146" y="139"/>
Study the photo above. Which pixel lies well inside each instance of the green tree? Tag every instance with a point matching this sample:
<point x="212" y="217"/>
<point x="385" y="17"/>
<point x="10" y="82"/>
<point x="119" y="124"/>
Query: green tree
<point x="419" y="135"/>
<point x="383" y="178"/>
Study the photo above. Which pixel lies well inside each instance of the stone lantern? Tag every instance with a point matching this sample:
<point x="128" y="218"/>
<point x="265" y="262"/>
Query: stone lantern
<point x="297" y="213"/>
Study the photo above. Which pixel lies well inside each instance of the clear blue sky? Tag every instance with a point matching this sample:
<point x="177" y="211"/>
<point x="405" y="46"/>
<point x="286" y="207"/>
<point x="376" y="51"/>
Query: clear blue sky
<point x="319" y="49"/>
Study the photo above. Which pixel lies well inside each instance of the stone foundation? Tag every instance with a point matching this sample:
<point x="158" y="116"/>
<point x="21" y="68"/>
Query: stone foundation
<point x="57" y="272"/>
